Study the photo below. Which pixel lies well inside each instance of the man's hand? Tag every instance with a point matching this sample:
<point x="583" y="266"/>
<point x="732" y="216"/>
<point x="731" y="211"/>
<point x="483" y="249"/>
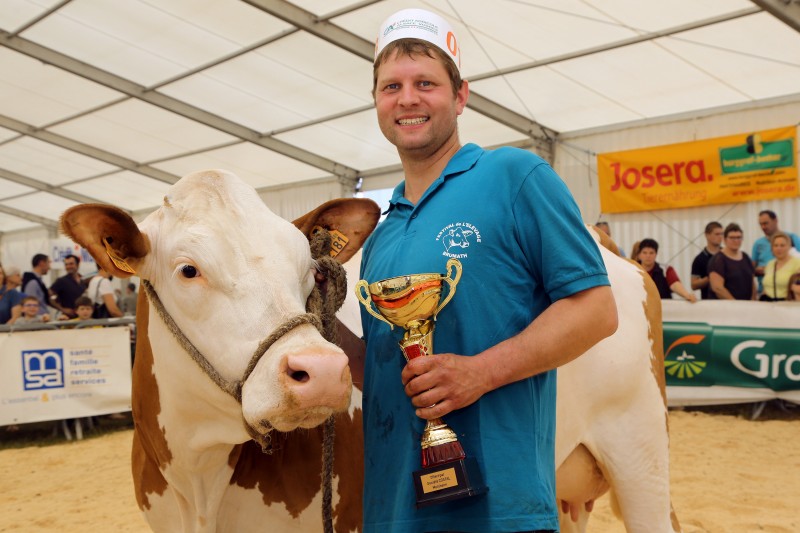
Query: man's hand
<point x="442" y="383"/>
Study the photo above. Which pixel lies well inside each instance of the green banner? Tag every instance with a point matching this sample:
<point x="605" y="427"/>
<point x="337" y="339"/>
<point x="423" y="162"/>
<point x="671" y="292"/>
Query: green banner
<point x="701" y="355"/>
<point x="755" y="156"/>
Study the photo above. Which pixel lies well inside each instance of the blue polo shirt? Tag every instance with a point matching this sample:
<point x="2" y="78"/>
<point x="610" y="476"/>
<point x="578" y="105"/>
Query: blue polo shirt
<point x="518" y="233"/>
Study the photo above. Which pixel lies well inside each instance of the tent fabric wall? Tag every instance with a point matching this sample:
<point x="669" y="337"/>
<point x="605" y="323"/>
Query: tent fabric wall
<point x="679" y="232"/>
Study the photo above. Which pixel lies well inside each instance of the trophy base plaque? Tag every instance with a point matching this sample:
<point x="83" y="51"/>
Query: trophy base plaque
<point x="449" y="481"/>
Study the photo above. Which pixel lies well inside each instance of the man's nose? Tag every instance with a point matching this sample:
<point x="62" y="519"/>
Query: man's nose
<point x="408" y="96"/>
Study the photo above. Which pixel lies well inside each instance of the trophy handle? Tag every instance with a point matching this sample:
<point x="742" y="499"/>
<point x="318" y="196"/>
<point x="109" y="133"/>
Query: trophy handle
<point x="454" y="265"/>
<point x="362" y="293"/>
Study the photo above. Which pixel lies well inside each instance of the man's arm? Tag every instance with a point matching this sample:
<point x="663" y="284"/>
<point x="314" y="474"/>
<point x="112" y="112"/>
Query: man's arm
<point x="699" y="283"/>
<point x="564" y="331"/>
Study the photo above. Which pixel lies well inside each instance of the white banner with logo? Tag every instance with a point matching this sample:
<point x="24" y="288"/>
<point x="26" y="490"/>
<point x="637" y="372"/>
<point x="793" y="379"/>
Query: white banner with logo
<point x="57" y="374"/>
<point x="720" y="352"/>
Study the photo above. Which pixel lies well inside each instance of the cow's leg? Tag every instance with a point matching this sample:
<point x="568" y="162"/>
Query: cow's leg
<point x="633" y="453"/>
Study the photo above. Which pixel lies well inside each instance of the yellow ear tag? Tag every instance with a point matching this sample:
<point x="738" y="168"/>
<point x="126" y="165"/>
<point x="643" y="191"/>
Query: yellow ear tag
<point x="338" y="240"/>
<point x="118" y="261"/>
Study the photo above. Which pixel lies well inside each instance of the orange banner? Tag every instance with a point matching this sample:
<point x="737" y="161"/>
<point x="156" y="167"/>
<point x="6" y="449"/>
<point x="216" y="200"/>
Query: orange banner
<point x="739" y="168"/>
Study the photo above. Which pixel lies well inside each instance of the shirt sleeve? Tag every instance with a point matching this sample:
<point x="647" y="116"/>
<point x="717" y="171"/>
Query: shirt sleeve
<point x="672" y="276"/>
<point x="696" y="268"/>
<point x="553" y="237"/>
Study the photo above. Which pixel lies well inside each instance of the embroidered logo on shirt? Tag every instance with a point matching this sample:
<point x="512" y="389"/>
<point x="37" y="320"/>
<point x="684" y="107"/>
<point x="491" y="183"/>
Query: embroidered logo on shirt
<point x="457" y="237"/>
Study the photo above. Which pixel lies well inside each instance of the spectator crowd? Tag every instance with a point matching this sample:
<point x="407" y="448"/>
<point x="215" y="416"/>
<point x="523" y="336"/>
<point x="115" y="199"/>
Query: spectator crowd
<point x="25" y="297"/>
<point x="724" y="271"/>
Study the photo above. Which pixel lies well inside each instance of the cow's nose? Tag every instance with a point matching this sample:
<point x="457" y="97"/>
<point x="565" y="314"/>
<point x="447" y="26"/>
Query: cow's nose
<point x="319" y="379"/>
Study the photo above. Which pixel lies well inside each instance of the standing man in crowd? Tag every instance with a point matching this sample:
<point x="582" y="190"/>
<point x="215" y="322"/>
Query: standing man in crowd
<point x="33" y="284"/>
<point x="762" y="248"/>
<point x="607" y="230"/>
<point x="69" y="287"/>
<point x="700" y="279"/>
<point x="533" y="295"/>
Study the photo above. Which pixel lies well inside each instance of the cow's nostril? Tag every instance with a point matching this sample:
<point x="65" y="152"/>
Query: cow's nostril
<point x="300" y="376"/>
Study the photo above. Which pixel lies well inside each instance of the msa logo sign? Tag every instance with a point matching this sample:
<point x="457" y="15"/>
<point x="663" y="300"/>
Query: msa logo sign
<point x="43" y="369"/>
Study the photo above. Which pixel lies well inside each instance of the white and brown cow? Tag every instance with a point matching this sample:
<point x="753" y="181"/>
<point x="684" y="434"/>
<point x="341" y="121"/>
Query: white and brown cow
<point x="224" y="272"/>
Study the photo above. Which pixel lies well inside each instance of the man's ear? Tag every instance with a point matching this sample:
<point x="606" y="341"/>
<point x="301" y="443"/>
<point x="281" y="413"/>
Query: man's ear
<point x="349" y="220"/>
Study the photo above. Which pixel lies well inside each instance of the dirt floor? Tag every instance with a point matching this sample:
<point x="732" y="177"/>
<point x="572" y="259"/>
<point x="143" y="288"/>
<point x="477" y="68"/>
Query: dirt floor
<point x="729" y="473"/>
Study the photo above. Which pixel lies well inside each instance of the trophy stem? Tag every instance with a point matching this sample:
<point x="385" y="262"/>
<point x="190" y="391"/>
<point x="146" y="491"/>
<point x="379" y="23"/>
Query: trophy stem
<point x="440" y="444"/>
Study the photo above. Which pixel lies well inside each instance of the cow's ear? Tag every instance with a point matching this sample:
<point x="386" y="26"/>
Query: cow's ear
<point x="109" y="234"/>
<point x="350" y="220"/>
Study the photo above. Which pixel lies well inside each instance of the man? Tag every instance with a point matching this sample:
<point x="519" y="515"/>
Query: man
<point x="762" y="248"/>
<point x="66" y="289"/>
<point x="533" y="295"/>
<point x="32" y="283"/>
<point x="713" y="233"/>
<point x="127" y="304"/>
<point x="607" y="230"/>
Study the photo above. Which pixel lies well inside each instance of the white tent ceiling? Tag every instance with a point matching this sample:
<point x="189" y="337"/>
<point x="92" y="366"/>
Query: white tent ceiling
<point x="112" y="101"/>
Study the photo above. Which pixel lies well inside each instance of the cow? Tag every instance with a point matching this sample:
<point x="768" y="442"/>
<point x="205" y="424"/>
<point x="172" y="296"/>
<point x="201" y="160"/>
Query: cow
<point x="229" y="272"/>
<point x="211" y="386"/>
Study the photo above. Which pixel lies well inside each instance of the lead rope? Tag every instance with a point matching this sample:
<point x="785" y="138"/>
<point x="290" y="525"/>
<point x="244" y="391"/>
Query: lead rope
<point x="325" y="306"/>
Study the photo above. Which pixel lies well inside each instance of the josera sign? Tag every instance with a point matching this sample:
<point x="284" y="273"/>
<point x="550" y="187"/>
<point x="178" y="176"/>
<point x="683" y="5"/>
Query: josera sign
<point x="738" y="168"/>
<point x="722" y="351"/>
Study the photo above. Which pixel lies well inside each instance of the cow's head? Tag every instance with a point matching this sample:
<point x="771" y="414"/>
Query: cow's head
<point x="229" y="272"/>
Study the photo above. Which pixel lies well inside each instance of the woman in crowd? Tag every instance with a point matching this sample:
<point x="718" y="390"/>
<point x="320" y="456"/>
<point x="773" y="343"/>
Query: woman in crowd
<point x="778" y="271"/>
<point x="10" y="297"/>
<point x="793" y="293"/>
<point x="101" y="293"/>
<point x="731" y="272"/>
<point x="664" y="276"/>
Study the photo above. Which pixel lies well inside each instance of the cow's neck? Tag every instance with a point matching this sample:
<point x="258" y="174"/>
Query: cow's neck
<point x="202" y="424"/>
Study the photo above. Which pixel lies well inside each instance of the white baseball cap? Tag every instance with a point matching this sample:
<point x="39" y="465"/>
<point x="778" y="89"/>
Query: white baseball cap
<point x="420" y="24"/>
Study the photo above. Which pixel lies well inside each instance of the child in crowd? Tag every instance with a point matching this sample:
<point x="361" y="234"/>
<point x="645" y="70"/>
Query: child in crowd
<point x="83" y="308"/>
<point x="30" y="312"/>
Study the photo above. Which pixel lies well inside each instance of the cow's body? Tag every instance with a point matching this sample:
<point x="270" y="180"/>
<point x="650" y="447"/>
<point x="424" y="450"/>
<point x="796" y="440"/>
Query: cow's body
<point x="195" y="468"/>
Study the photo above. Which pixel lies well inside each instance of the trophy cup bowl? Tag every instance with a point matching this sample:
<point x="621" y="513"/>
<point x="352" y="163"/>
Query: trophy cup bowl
<point x="412" y="302"/>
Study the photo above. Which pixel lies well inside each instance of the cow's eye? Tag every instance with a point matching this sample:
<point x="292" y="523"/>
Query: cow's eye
<point x="188" y="271"/>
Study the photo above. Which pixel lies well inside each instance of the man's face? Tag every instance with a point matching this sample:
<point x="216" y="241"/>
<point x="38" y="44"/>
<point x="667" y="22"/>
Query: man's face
<point x="715" y="237"/>
<point x="45" y="266"/>
<point x="415" y="104"/>
<point x="70" y="265"/>
<point x="768" y="225"/>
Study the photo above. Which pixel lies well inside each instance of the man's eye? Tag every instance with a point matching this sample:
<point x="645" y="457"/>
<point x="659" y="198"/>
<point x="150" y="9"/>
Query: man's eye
<point x="425" y="84"/>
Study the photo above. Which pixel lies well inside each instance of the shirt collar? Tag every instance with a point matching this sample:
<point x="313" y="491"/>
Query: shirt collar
<point x="463" y="160"/>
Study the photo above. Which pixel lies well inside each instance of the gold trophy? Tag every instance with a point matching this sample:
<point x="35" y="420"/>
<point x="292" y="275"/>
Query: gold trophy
<point x="412" y="302"/>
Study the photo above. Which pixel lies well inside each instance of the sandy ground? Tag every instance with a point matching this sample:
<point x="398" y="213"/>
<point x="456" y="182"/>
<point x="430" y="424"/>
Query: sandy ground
<point x="728" y="474"/>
